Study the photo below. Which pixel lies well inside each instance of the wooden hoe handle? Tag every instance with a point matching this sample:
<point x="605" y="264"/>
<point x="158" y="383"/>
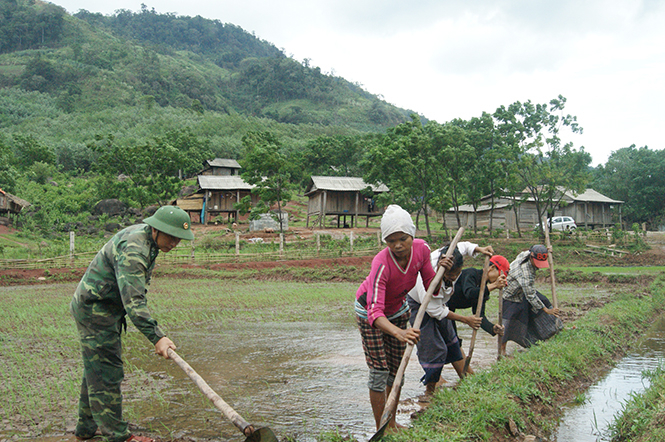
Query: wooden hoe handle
<point x="550" y="260"/>
<point x="225" y="408"/>
<point x="499" y="337"/>
<point x="479" y="306"/>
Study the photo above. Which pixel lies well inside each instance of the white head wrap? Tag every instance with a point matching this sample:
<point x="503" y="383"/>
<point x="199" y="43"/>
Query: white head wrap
<point x="396" y="219"/>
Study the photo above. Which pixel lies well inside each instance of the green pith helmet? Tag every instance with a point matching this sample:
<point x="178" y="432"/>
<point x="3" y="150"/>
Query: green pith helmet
<point x="173" y="221"/>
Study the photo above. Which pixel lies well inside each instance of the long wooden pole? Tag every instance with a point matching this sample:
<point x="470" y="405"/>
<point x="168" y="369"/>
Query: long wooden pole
<point x="499" y="337"/>
<point x="221" y="405"/>
<point x="391" y="404"/>
<point x="479" y="306"/>
<point x="550" y="260"/>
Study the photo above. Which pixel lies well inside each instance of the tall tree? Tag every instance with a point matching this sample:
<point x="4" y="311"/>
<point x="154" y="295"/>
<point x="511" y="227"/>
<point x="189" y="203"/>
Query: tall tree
<point x="265" y="165"/>
<point x="636" y="176"/>
<point x="335" y="156"/>
<point x="404" y="161"/>
<point x="530" y="134"/>
<point x="141" y="174"/>
<point x="8" y="173"/>
<point x="453" y="158"/>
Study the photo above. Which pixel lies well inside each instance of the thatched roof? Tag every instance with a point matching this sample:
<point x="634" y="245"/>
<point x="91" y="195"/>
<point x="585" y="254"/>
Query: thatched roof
<point x="16" y="200"/>
<point x="341" y="184"/>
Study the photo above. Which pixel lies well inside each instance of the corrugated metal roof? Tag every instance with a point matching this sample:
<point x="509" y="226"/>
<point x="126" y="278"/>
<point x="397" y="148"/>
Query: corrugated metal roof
<point x="224" y="162"/>
<point x="341" y="184"/>
<point x="591" y="195"/>
<point x="223" y="182"/>
<point x="481" y="208"/>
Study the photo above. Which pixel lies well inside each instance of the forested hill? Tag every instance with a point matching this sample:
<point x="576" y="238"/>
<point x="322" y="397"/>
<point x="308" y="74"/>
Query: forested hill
<point x="65" y="79"/>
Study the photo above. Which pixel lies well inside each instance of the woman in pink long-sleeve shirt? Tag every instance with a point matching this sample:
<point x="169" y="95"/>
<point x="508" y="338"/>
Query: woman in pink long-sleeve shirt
<point x="381" y="307"/>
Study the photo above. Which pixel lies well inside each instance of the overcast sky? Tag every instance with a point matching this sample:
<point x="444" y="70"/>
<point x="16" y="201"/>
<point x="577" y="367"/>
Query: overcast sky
<point x="450" y="59"/>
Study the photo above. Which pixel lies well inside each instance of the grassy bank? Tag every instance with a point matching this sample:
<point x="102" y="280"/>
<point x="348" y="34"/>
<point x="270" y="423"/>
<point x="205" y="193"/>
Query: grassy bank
<point x="528" y="388"/>
<point x="642" y="417"/>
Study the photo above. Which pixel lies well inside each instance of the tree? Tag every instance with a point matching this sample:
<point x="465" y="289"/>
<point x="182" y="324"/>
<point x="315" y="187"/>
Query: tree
<point x="533" y="151"/>
<point x="453" y="158"/>
<point x="142" y="174"/>
<point x="404" y="160"/>
<point x="192" y="150"/>
<point x="266" y="166"/>
<point x="636" y="176"/>
<point x="335" y="156"/>
<point x="28" y="150"/>
<point x="8" y="173"/>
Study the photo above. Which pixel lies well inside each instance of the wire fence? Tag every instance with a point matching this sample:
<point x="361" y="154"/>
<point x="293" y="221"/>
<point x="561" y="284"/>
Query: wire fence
<point x="185" y="254"/>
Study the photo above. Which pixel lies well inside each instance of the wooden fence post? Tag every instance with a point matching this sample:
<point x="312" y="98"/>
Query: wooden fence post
<point x="318" y="243"/>
<point x="72" y="237"/>
<point x="378" y="237"/>
<point x="191" y="257"/>
<point x="351" y="240"/>
<point x="237" y="246"/>
<point x="281" y="244"/>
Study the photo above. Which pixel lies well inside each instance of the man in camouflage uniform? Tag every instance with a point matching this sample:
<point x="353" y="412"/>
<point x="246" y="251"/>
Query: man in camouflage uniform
<point x="115" y="285"/>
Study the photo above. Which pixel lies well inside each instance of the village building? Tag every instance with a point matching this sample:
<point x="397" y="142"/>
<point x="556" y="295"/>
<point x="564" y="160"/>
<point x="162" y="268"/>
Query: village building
<point x="10" y="207"/>
<point x="590" y="209"/>
<point x="342" y="197"/>
<point x="220" y="166"/>
<point x="215" y="198"/>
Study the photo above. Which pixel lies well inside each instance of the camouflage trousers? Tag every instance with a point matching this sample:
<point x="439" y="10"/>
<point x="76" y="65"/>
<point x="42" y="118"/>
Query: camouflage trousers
<point x="100" y="403"/>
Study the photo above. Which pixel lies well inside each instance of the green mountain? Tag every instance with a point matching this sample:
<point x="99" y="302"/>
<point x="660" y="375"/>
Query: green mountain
<point x="66" y="79"/>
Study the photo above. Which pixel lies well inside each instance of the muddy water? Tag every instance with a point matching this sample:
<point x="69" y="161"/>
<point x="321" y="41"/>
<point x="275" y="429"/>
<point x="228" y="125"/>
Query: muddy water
<point x="589" y="422"/>
<point x="297" y="378"/>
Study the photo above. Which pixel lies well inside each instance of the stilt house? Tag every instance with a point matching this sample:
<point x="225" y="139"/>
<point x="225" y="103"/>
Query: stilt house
<point x="221" y="166"/>
<point x="341" y="197"/>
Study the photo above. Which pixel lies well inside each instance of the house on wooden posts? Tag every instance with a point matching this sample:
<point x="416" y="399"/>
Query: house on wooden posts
<point x="220" y="193"/>
<point x="10" y="205"/>
<point x="220" y="166"/>
<point x="589" y="209"/>
<point x="341" y="197"/>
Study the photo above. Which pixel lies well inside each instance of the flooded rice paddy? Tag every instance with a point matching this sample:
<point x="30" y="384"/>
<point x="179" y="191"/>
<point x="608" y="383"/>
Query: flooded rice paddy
<point x="300" y="379"/>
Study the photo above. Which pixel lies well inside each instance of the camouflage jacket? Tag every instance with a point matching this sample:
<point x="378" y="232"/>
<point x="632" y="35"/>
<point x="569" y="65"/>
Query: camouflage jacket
<point x="116" y="282"/>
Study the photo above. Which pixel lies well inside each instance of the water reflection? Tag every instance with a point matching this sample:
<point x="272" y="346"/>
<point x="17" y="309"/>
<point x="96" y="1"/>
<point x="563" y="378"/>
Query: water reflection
<point x="297" y="378"/>
<point x="589" y="422"/>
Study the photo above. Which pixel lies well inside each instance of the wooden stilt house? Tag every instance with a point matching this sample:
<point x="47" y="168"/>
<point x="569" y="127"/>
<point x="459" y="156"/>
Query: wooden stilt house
<point x="220" y="193"/>
<point x="342" y="197"/>
<point x="11" y="206"/>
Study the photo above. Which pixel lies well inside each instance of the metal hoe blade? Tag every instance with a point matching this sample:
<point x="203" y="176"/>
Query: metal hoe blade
<point x="263" y="434"/>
